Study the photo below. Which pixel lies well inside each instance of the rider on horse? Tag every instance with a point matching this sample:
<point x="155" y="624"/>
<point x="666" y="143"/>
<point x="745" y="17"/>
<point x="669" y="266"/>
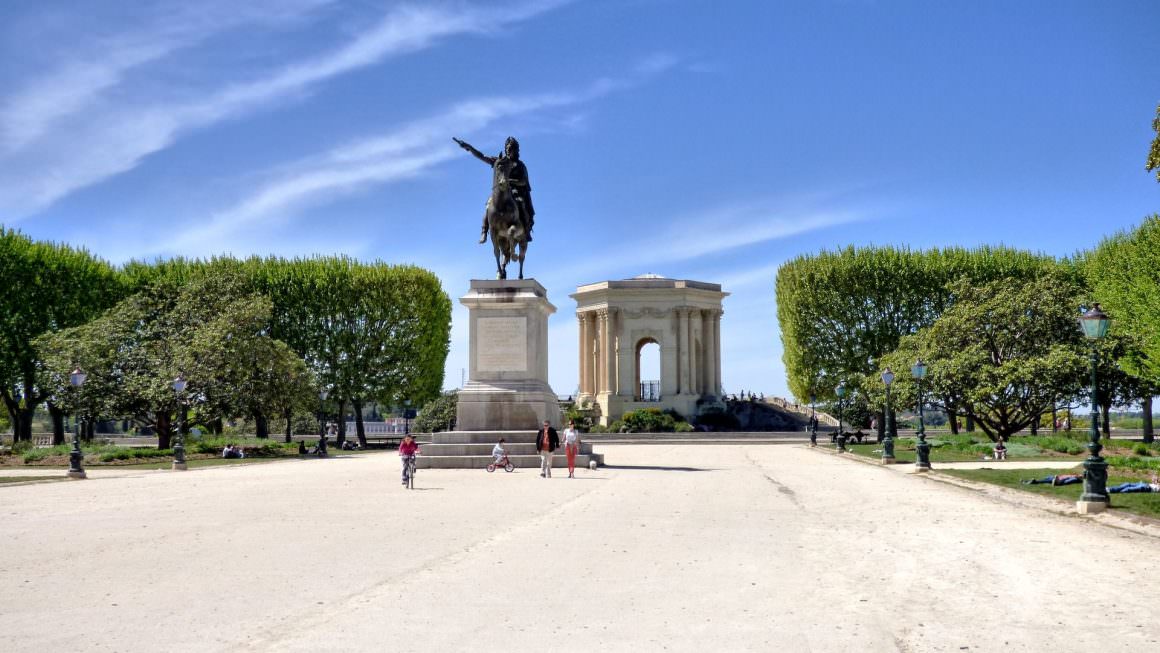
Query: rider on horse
<point x="517" y="179"/>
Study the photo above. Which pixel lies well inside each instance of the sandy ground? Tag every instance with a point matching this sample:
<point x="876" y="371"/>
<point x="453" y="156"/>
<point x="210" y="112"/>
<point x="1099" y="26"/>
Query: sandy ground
<point x="725" y="548"/>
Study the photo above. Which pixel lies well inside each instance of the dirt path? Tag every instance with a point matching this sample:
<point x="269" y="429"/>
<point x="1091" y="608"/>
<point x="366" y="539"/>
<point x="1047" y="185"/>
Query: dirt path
<point x="763" y="547"/>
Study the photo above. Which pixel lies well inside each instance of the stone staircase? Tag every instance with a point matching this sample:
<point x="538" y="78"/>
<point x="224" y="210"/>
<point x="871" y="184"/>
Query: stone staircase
<point x="472" y="450"/>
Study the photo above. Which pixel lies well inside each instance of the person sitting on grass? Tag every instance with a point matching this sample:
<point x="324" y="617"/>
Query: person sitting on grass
<point x="1058" y="479"/>
<point x="1001" y="449"/>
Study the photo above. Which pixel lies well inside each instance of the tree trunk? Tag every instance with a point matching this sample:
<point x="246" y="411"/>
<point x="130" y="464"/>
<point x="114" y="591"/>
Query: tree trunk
<point x="90" y="429"/>
<point x="1054" y="419"/>
<point x="163" y="426"/>
<point x="1148" y="437"/>
<point x="359" y="429"/>
<point x="1035" y="424"/>
<point x="953" y="421"/>
<point x="215" y="426"/>
<point x="289" y="425"/>
<point x="22" y="427"/>
<point x="880" y="426"/>
<point x="970" y="424"/>
<point x="57" y="423"/>
<point x="261" y="426"/>
<point x="341" y="423"/>
<point x="1106" y="409"/>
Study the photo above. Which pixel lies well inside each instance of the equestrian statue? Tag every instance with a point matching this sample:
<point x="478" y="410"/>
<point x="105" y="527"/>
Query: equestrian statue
<point x="509" y="215"/>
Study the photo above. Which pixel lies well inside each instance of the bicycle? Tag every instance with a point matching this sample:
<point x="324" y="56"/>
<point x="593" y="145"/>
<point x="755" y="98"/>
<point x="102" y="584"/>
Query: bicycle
<point x="409" y="472"/>
<point x="506" y="462"/>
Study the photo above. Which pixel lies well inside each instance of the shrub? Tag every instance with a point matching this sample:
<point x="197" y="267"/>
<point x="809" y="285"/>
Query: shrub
<point x="648" y="420"/>
<point x="683" y="427"/>
<point x="1141" y="450"/>
<point x="438" y="414"/>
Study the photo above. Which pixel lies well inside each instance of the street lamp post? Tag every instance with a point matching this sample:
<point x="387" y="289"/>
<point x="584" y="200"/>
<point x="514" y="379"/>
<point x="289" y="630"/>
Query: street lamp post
<point x="888" y="441"/>
<point x="841" y="438"/>
<point x="813" y="422"/>
<point x="76" y="468"/>
<point x="322" y="395"/>
<point x="922" y="460"/>
<point x="1095" y="469"/>
<point x="179" y="447"/>
<point x="406" y="417"/>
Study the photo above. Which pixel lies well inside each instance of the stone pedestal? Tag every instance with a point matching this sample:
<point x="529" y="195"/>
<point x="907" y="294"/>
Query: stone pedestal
<point x="507" y="387"/>
<point x="181" y="467"/>
<point x="1090" y="507"/>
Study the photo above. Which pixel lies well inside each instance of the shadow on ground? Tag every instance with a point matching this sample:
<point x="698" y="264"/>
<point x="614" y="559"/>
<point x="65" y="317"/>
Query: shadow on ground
<point x="657" y="468"/>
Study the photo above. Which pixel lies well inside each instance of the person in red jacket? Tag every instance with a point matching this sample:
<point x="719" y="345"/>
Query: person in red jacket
<point x="408" y="448"/>
<point x="546" y="442"/>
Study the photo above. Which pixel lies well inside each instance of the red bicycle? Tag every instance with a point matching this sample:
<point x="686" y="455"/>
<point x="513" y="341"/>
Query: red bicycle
<point x="506" y="463"/>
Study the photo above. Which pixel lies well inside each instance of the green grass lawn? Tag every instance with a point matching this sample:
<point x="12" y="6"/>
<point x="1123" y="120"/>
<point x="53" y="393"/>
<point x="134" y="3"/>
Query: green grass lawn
<point x="26" y="479"/>
<point x="1143" y="504"/>
<point x="958" y="449"/>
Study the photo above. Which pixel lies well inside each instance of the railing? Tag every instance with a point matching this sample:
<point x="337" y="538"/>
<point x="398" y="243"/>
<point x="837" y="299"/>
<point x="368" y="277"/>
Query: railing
<point x="650" y="390"/>
<point x="388" y="426"/>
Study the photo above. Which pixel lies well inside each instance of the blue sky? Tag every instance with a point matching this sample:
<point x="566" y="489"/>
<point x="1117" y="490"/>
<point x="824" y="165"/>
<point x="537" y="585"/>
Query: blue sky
<point x="693" y="139"/>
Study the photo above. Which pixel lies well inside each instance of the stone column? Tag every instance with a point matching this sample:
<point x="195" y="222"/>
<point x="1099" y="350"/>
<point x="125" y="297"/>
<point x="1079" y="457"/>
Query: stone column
<point x="582" y="318"/>
<point x="717" y="349"/>
<point x="601" y="351"/>
<point x="694" y="363"/>
<point x="707" y="343"/>
<point x="610" y="351"/>
<point x="682" y="349"/>
<point x="690" y="352"/>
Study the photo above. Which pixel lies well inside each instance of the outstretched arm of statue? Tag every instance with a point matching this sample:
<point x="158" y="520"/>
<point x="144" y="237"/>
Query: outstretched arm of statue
<point x="489" y="160"/>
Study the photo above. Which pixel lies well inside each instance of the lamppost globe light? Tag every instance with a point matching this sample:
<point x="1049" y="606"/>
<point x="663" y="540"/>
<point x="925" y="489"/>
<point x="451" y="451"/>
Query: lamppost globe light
<point x="77" y="377"/>
<point x="888" y="376"/>
<point x="1094" y="323"/>
<point x="323" y="394"/>
<point x="840" y="390"/>
<point x="918" y="370"/>
<point x="179" y="383"/>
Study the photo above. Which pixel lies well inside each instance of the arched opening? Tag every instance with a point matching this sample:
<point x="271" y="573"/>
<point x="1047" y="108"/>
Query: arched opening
<point x="648" y="370"/>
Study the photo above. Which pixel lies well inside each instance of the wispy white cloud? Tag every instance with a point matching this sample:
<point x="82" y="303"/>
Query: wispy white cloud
<point x="108" y="138"/>
<point x="378" y="159"/>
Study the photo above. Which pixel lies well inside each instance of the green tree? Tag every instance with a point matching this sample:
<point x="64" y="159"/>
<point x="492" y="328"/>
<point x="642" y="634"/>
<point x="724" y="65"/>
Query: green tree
<point x="1154" y="154"/>
<point x="1005" y="351"/>
<point x="840" y="312"/>
<point x="210" y="330"/>
<point x="48" y="287"/>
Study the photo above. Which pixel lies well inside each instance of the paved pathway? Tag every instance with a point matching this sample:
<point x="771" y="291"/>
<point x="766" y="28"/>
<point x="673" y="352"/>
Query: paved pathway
<point x="727" y="548"/>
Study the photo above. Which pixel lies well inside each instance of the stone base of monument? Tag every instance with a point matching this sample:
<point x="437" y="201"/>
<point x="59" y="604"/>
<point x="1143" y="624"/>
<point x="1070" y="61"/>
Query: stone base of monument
<point x="472" y="450"/>
<point x="1090" y="507"/>
<point x="506" y="406"/>
<point x="507" y="387"/>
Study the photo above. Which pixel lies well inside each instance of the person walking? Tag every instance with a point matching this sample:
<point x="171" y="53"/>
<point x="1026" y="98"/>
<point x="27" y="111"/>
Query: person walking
<point x="571" y="447"/>
<point x="546" y="442"/>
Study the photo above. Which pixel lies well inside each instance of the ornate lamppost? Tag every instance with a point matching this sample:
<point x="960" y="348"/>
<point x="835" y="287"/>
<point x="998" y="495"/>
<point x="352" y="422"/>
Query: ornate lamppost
<point x="1095" y="470"/>
<point x="922" y="448"/>
<point x="179" y="445"/>
<point x="406" y="416"/>
<point x="888" y="441"/>
<point x="841" y="438"/>
<point x="322" y="395"/>
<point x="76" y="469"/>
<point x="813" y="421"/>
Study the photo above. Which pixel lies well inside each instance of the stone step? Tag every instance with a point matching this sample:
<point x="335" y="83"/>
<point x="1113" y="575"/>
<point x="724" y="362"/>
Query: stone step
<point x="482" y="437"/>
<point x="513" y="449"/>
<point x="521" y="462"/>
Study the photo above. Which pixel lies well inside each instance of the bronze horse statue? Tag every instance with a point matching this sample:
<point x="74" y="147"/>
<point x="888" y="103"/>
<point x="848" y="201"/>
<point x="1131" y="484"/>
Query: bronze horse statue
<point x="509" y="239"/>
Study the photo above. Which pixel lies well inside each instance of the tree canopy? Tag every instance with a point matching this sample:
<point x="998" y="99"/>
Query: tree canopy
<point x="840" y="312"/>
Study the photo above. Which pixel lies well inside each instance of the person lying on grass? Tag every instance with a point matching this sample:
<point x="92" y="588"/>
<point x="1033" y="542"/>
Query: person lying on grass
<point x="1058" y="479"/>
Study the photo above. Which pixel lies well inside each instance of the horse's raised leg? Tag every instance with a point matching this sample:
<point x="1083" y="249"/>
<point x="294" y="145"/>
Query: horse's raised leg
<point x="500" y="273"/>
<point x="523" y="250"/>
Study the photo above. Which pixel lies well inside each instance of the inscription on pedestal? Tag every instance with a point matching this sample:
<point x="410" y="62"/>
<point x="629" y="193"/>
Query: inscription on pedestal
<point x="501" y="344"/>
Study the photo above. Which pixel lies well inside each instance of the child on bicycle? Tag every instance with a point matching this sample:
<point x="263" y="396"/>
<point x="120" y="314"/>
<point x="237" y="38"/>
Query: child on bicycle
<point x="499" y="452"/>
<point x="408" y="448"/>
